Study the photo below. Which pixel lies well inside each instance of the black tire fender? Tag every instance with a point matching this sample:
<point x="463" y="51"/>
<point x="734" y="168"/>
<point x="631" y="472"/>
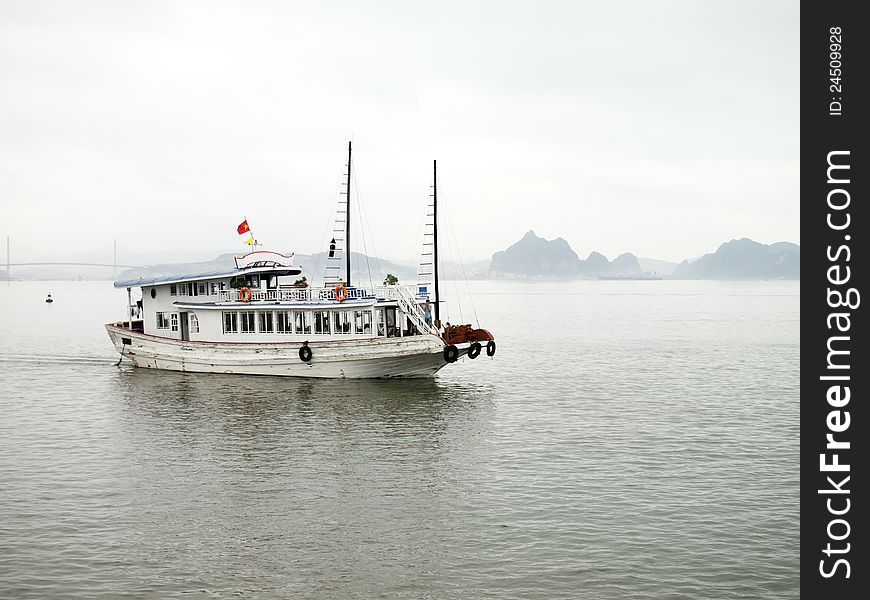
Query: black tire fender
<point x="474" y="350"/>
<point x="305" y="353"/>
<point x="451" y="353"/>
<point x="490" y="348"/>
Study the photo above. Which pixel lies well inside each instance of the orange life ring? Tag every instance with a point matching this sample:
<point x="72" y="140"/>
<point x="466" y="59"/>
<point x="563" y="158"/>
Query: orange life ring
<point x="340" y="293"/>
<point x="245" y="294"/>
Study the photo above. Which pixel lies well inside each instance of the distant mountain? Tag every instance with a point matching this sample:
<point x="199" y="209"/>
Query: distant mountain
<point x="363" y="268"/>
<point x="625" y="264"/>
<point x="535" y="257"/>
<point x="745" y="259"/>
<point x="659" y="267"/>
<point x="223" y="261"/>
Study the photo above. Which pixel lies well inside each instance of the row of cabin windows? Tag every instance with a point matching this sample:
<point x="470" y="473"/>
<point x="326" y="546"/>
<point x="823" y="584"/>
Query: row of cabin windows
<point x="298" y="321"/>
<point x="170" y="321"/>
<point x="197" y="288"/>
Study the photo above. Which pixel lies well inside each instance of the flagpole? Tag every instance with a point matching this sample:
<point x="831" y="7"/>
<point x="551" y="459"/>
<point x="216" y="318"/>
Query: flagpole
<point x="253" y="241"/>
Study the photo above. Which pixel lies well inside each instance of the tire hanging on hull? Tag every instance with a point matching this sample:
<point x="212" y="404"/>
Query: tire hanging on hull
<point x="451" y="354"/>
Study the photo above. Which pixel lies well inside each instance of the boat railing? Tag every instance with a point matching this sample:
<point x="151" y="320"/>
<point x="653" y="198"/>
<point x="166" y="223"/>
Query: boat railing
<point x="412" y="309"/>
<point x="402" y="295"/>
<point x="300" y="295"/>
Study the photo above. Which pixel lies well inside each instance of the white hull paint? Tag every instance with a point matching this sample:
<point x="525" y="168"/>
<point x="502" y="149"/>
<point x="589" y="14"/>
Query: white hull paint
<point x="411" y="356"/>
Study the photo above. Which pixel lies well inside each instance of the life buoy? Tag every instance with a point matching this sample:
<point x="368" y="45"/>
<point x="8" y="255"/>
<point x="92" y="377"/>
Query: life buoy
<point x="305" y="353"/>
<point x="451" y="353"/>
<point x="490" y="348"/>
<point x="245" y="294"/>
<point x="474" y="350"/>
<point x="340" y="293"/>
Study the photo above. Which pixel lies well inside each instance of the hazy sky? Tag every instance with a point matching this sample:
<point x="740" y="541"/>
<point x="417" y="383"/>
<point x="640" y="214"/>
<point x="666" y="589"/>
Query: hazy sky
<point x="660" y="128"/>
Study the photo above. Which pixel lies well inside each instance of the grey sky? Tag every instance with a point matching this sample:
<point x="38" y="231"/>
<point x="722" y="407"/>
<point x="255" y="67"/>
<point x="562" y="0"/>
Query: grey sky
<point x="660" y="128"/>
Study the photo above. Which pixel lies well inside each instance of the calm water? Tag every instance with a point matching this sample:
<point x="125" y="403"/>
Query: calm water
<point x="628" y="440"/>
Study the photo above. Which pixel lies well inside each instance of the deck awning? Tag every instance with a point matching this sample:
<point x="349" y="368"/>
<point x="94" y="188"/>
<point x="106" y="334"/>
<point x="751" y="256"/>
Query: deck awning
<point x="223" y="274"/>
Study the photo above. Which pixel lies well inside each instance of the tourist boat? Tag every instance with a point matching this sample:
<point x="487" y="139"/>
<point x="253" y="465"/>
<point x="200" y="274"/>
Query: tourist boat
<point x="257" y="319"/>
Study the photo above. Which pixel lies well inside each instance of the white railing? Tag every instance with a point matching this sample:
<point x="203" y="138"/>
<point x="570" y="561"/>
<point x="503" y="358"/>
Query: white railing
<point x="300" y="294"/>
<point x="403" y="296"/>
<point x="391" y="292"/>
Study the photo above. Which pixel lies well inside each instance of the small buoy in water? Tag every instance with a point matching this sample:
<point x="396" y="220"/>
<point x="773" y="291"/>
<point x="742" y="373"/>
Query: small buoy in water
<point x="49" y="300"/>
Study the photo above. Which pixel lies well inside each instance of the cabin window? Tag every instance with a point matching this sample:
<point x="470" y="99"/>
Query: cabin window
<point x="266" y="323"/>
<point x="381" y="318"/>
<point x="246" y="321"/>
<point x="302" y="321"/>
<point x="362" y="320"/>
<point x="183" y="290"/>
<point x="283" y="322"/>
<point x="321" y="322"/>
<point x="194" y="323"/>
<point x="231" y="322"/>
<point x="162" y="321"/>
<point x="174" y="321"/>
<point x="343" y="321"/>
<point x="201" y="288"/>
<point x="214" y="288"/>
<point x="173" y="290"/>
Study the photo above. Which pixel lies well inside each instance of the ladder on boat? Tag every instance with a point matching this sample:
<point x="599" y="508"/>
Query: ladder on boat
<point x="409" y="306"/>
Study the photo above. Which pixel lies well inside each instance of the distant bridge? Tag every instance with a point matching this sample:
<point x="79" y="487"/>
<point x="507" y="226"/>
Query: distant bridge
<point x="72" y="264"/>
<point x="113" y="265"/>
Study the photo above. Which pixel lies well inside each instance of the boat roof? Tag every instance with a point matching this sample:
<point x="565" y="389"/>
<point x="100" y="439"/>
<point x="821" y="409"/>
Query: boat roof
<point x="168" y="279"/>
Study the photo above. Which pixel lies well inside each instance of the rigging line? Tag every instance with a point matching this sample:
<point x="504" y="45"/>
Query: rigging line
<point x="455" y="255"/>
<point x="362" y="235"/>
<point x="365" y="221"/>
<point x="361" y="228"/>
<point x="452" y="247"/>
<point x="319" y="254"/>
<point x="421" y="224"/>
<point x="462" y="266"/>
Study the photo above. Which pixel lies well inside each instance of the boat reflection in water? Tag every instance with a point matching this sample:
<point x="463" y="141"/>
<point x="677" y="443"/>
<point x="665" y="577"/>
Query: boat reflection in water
<point x="298" y="415"/>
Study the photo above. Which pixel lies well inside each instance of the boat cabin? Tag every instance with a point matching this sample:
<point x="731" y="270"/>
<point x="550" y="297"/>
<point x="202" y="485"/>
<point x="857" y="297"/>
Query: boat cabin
<point x="260" y="301"/>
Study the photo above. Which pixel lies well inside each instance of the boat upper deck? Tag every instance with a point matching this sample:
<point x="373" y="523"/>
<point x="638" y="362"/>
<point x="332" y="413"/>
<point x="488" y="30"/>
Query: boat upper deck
<point x="277" y="271"/>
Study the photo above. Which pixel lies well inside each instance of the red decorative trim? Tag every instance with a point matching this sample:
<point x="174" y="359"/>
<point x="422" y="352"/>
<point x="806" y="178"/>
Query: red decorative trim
<point x="310" y="340"/>
<point x="265" y="252"/>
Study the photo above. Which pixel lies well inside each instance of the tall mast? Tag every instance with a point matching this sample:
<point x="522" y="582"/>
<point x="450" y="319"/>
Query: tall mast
<point x="435" y="237"/>
<point x="347" y="220"/>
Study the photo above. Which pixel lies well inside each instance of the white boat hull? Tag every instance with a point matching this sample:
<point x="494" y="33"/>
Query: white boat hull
<point x="411" y="356"/>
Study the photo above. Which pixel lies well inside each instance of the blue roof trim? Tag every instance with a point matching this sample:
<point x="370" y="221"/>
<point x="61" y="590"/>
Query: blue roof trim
<point x="200" y="276"/>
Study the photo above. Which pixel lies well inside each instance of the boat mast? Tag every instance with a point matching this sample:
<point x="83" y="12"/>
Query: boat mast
<point x="435" y="237"/>
<point x="347" y="220"/>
